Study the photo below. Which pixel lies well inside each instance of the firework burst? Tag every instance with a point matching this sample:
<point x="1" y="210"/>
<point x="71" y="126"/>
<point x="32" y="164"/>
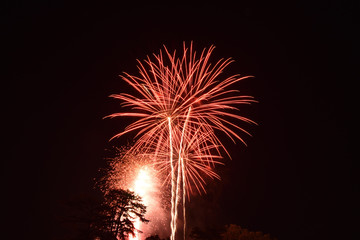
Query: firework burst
<point x="182" y="102"/>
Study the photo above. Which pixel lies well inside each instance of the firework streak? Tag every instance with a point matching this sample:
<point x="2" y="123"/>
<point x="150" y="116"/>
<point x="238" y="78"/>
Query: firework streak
<point x="182" y="102"/>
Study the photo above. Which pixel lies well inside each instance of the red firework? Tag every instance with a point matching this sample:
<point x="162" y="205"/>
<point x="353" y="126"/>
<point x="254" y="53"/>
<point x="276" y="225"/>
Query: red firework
<point x="182" y="102"/>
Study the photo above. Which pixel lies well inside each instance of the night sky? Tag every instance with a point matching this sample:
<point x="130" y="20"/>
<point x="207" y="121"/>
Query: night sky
<point x="295" y="180"/>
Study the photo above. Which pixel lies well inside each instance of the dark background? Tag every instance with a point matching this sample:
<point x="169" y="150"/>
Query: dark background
<point x="295" y="180"/>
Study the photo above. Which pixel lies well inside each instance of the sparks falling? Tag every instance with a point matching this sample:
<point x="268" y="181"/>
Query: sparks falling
<point x="182" y="103"/>
<point x="137" y="174"/>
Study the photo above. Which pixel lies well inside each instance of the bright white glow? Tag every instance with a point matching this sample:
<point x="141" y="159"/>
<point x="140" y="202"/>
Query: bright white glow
<point x="147" y="186"/>
<point x="142" y="186"/>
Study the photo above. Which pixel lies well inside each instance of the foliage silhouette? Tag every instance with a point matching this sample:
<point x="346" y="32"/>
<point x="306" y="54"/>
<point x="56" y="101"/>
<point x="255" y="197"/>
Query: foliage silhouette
<point x="110" y="218"/>
<point x="120" y="209"/>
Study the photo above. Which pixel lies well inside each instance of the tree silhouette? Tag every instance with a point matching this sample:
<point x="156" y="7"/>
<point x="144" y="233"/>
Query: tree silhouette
<point x="120" y="209"/>
<point x="109" y="218"/>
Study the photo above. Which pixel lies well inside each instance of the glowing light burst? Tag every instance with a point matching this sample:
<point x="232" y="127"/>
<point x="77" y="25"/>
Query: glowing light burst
<point x="142" y="186"/>
<point x="182" y="102"/>
<point x="135" y="173"/>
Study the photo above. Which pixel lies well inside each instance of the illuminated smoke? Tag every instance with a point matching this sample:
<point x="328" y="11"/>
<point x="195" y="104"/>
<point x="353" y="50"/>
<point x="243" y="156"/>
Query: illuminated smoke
<point x="138" y="175"/>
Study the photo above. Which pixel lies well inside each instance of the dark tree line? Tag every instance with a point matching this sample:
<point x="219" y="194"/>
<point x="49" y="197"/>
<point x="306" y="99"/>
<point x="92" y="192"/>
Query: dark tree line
<point x="113" y="216"/>
<point x="109" y="218"/>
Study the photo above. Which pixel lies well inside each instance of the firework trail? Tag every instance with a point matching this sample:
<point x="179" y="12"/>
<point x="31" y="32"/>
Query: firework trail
<point x="181" y="103"/>
<point x="173" y="182"/>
